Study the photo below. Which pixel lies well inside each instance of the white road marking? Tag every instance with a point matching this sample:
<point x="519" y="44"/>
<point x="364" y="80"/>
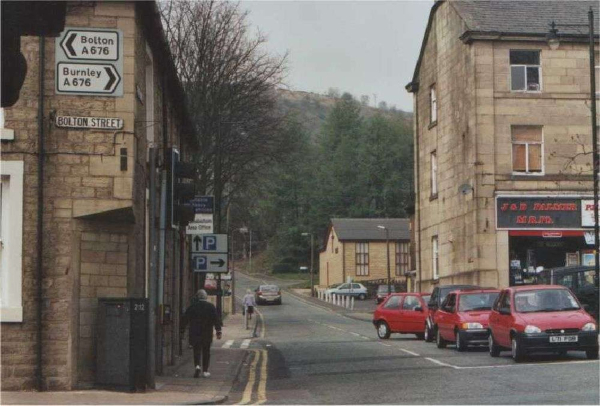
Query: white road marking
<point x="245" y="343"/>
<point x="526" y="365"/>
<point x="228" y="344"/>
<point x="355" y="334"/>
<point x="410" y="352"/>
<point x="386" y="345"/>
<point x="435" y="361"/>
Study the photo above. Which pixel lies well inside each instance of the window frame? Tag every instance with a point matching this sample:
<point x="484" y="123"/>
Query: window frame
<point x="542" y="172"/>
<point x="361" y="268"/>
<point x="539" y="66"/>
<point x="6" y="134"/>
<point x="433" y="174"/>
<point x="435" y="257"/>
<point x="11" y="309"/>
<point x="433" y="105"/>
<point x="402" y="258"/>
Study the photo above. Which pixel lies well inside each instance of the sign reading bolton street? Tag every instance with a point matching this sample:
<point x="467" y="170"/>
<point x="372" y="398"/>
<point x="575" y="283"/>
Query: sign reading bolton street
<point x="97" y="123"/>
<point x="89" y="62"/>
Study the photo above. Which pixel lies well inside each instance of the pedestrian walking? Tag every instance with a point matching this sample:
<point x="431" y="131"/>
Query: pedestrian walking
<point x="249" y="303"/>
<point x="202" y="317"/>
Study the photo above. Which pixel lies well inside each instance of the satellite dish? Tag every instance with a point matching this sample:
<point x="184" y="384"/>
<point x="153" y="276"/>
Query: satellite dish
<point x="465" y="188"/>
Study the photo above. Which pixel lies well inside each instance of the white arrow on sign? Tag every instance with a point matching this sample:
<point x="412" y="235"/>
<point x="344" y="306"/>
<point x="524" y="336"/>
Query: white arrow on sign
<point x="91" y="45"/>
<point x="101" y="78"/>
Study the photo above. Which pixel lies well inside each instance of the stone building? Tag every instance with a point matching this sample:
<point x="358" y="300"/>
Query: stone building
<point x="356" y="249"/>
<point x="101" y="184"/>
<point x="502" y="141"/>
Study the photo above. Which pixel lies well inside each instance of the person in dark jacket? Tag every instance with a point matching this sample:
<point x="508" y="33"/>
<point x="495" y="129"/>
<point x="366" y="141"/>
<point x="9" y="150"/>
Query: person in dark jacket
<point x="203" y="318"/>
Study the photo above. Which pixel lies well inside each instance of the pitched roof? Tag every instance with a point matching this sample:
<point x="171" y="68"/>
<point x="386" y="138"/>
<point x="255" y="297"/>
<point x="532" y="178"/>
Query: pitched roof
<point x="526" y="17"/>
<point x="366" y="229"/>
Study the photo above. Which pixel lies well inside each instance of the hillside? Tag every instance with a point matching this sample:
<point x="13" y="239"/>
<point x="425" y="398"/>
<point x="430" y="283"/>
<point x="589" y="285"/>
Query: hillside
<point x="313" y="108"/>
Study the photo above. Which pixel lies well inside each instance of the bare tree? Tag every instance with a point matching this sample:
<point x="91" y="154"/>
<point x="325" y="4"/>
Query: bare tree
<point x="230" y="82"/>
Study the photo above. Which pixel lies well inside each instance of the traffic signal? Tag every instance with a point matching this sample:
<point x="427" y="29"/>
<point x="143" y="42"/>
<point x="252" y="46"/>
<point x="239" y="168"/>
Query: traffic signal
<point x="181" y="190"/>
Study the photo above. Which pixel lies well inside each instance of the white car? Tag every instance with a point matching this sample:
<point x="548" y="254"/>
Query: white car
<point x="349" y="289"/>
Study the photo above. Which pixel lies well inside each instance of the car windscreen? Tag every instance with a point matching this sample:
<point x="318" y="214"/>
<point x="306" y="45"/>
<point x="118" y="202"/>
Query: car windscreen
<point x="269" y="288"/>
<point x="477" y="301"/>
<point x="545" y="300"/>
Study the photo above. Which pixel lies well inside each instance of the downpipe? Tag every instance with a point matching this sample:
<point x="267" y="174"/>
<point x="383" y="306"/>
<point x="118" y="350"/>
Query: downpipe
<point x="40" y="214"/>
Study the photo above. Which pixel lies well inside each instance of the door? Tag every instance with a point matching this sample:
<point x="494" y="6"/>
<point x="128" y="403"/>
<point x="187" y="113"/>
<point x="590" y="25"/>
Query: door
<point x="503" y="322"/>
<point x="412" y="316"/>
<point x="343" y="289"/>
<point x="444" y="320"/>
<point x="355" y="289"/>
<point x="391" y="312"/>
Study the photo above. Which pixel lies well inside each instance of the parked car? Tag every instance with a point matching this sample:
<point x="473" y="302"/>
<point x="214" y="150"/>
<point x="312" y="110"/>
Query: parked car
<point x="438" y="295"/>
<point x="267" y="294"/>
<point x="463" y="318"/>
<point x="349" y="289"/>
<point x="402" y="313"/>
<point x="382" y="293"/>
<point x="582" y="280"/>
<point x="543" y="318"/>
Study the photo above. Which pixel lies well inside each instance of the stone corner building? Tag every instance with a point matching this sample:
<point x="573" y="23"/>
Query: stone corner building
<point x="502" y="141"/>
<point x="98" y="227"/>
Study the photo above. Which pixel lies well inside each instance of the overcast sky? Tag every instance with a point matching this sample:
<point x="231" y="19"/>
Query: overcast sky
<point x="362" y="47"/>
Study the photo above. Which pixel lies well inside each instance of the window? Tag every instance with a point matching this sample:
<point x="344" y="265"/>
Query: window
<point x="449" y="304"/>
<point x="355" y="286"/>
<point x="392" y="303"/>
<point x="344" y="286"/>
<point x="504" y="303"/>
<point x="434" y="189"/>
<point x="362" y="258"/>
<point x="525" y="71"/>
<point x="402" y="258"/>
<point x="11" y="241"/>
<point x="410" y="303"/>
<point x="527" y="149"/>
<point x="435" y="257"/>
<point x="5" y="133"/>
<point x="432" y="105"/>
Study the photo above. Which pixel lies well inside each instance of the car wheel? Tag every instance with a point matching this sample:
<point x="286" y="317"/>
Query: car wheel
<point x="516" y="351"/>
<point x="439" y="341"/>
<point x="592" y="354"/>
<point x="420" y="336"/>
<point x="427" y="334"/>
<point x="461" y="345"/>
<point x="383" y="330"/>
<point x="494" y="348"/>
<point x="362" y="296"/>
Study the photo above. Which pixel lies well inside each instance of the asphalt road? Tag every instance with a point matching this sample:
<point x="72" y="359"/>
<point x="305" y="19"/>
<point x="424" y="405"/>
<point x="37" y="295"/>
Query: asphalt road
<point x="306" y="354"/>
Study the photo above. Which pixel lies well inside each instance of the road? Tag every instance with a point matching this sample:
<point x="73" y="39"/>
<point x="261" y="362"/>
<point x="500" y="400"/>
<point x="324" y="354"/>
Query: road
<point x="306" y="354"/>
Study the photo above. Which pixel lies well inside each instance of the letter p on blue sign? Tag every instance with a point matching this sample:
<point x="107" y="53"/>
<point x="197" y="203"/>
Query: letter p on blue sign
<point x="201" y="263"/>
<point x="209" y="243"/>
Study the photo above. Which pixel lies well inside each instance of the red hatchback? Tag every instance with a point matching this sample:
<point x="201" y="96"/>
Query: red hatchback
<point x="542" y="318"/>
<point x="403" y="313"/>
<point x="463" y="318"/>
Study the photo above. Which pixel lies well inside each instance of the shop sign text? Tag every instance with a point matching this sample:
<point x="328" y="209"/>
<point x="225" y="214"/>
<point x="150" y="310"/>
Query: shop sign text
<point x="537" y="212"/>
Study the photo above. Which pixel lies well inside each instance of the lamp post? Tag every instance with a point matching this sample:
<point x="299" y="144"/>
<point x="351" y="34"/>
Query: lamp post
<point x="554" y="42"/>
<point x="312" y="261"/>
<point x="387" y="246"/>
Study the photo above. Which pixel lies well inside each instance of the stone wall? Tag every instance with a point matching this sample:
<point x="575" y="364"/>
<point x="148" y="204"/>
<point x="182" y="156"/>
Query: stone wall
<point x="331" y="262"/>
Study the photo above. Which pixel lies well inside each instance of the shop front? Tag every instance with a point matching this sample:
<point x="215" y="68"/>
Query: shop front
<point x="545" y="232"/>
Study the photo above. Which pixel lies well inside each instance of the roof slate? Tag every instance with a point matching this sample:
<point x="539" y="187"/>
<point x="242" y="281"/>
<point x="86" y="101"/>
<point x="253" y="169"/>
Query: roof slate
<point x="526" y="17"/>
<point x="366" y="229"/>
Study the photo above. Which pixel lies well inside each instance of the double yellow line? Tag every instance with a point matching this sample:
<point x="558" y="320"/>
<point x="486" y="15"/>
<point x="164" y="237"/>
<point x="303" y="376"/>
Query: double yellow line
<point x="261" y="392"/>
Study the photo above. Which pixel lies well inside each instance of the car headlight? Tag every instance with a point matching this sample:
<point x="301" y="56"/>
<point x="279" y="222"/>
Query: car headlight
<point x="532" y="329"/>
<point x="589" y="327"/>
<point x="467" y="326"/>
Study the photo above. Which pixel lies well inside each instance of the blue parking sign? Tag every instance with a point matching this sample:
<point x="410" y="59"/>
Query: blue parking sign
<point x="201" y="263"/>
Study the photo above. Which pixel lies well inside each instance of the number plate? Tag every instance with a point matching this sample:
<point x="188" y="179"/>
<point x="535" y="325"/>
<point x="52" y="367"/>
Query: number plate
<point x="563" y="339"/>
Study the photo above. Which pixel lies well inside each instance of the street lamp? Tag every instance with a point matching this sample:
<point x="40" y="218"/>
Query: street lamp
<point x="554" y="42"/>
<point x="387" y="246"/>
<point x="312" y="261"/>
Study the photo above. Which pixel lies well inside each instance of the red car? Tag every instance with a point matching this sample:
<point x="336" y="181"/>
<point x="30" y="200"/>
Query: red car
<point x="463" y="318"/>
<point x="403" y="313"/>
<point x="542" y="318"/>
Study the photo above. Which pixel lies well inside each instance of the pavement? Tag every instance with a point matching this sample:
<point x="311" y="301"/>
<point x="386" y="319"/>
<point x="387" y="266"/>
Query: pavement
<point x="176" y="385"/>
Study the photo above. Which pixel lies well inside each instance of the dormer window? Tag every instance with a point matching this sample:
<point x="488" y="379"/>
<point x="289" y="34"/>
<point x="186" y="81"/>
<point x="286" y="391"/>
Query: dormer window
<point x="525" y="71"/>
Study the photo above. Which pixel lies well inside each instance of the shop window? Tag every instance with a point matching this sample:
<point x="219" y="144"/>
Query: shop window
<point x="527" y="149"/>
<point x="362" y="258"/>
<point x="402" y="258"/>
<point x="525" y="71"/>
<point x="11" y="241"/>
<point x="434" y="171"/>
<point x="435" y="257"/>
<point x="432" y="105"/>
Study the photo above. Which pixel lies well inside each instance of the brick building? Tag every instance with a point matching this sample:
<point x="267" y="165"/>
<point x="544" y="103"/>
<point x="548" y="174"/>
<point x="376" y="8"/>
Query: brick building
<point x="502" y="141"/>
<point x="356" y="248"/>
<point x="101" y="212"/>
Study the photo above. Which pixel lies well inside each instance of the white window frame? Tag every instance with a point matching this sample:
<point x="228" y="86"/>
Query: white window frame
<point x="435" y="255"/>
<point x="525" y="67"/>
<point x="433" y="176"/>
<point x="432" y="105"/>
<point x="11" y="257"/>
<point x="526" y="143"/>
<point x="6" y="134"/>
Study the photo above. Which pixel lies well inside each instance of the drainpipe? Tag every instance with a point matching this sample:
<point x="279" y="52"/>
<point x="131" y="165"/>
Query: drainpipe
<point x="417" y="186"/>
<point x="40" y="213"/>
<point x="152" y="275"/>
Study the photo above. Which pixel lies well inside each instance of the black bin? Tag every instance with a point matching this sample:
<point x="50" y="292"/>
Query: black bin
<point x="122" y="335"/>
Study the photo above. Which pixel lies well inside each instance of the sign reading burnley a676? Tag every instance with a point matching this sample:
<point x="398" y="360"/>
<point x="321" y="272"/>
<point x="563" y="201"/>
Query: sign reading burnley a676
<point x="87" y="78"/>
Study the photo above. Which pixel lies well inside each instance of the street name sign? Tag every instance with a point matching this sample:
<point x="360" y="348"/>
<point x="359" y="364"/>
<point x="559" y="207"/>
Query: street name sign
<point x="199" y="228"/>
<point x="97" y="123"/>
<point x="91" y="45"/>
<point x="203" y="204"/>
<point x="210" y="243"/>
<point x="89" y="62"/>
<point x="215" y="263"/>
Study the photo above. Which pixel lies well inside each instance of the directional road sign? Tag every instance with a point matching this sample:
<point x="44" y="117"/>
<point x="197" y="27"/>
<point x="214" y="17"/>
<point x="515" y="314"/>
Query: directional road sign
<point x="87" y="78"/>
<point x="216" y="263"/>
<point x="210" y="243"/>
<point x="199" y="228"/>
<point x="91" y="45"/>
<point x="203" y="204"/>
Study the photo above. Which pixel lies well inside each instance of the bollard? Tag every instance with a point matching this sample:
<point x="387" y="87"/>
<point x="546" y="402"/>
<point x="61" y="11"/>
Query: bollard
<point x="348" y="302"/>
<point x="334" y="299"/>
<point x="352" y="304"/>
